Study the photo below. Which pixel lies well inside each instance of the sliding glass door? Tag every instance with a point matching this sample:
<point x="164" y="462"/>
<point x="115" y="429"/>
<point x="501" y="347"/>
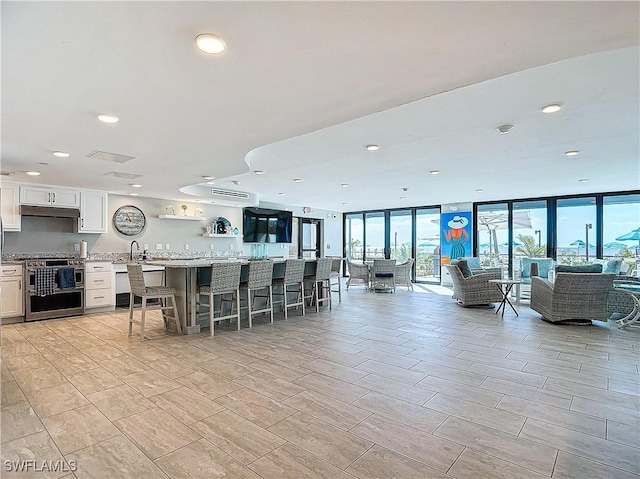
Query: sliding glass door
<point x="375" y="244"/>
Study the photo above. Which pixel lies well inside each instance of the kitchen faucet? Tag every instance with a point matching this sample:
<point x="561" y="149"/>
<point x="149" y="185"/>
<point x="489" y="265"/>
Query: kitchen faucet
<point x="131" y="249"/>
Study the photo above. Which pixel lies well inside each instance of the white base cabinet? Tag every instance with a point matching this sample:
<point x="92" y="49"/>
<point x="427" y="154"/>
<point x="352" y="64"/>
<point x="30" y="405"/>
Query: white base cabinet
<point x="12" y="287"/>
<point x="99" y="287"/>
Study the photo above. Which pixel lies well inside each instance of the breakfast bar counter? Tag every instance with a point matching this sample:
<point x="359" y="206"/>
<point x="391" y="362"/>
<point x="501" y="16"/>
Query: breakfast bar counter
<point x="182" y="274"/>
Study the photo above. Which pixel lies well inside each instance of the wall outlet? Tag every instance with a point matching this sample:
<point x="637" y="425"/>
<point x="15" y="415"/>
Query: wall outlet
<point x="186" y="246"/>
<point x="211" y="246"/>
<point x="146" y="246"/>
<point x="231" y="246"/>
<point x="76" y="247"/>
<point x="166" y="246"/>
<point x="158" y="246"/>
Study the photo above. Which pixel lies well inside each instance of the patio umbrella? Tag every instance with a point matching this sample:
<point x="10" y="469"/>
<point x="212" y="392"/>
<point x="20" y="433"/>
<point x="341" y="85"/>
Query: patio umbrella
<point x="515" y="243"/>
<point x="615" y="245"/>
<point x="631" y="236"/>
<point x="579" y="243"/>
<point x="494" y="220"/>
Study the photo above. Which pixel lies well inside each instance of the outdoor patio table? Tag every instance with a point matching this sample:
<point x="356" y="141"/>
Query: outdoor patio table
<point x="505" y="286"/>
<point x="633" y="290"/>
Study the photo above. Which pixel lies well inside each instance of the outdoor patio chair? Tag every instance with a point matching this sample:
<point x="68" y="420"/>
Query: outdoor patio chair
<point x="403" y="274"/>
<point x="475" y="289"/>
<point x="358" y="271"/>
<point x="383" y="275"/>
<point x="574" y="298"/>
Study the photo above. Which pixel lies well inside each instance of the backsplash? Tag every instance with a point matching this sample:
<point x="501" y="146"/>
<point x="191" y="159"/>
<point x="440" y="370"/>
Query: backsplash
<point x="120" y="257"/>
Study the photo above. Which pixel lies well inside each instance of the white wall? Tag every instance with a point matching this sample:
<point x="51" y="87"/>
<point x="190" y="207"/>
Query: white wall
<point x="57" y="235"/>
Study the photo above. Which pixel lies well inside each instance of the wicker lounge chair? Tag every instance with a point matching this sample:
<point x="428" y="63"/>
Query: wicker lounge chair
<point x="475" y="289"/>
<point x="403" y="274"/>
<point x="574" y="298"/>
<point x="358" y="271"/>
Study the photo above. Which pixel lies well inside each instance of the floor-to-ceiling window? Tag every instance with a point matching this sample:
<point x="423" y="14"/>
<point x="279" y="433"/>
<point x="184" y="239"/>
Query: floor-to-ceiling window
<point x="575" y="230"/>
<point x="428" y="244"/>
<point x="529" y="226"/>
<point x="572" y="230"/>
<point x="374" y="235"/>
<point x="621" y="229"/>
<point x="401" y="225"/>
<point x="493" y="235"/>
<point x="354" y="237"/>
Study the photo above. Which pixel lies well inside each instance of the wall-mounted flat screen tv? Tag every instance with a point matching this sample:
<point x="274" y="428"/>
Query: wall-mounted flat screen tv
<point x="263" y="225"/>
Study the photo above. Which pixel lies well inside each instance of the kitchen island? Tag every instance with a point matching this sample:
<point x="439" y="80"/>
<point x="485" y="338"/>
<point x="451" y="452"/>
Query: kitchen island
<point x="182" y="274"/>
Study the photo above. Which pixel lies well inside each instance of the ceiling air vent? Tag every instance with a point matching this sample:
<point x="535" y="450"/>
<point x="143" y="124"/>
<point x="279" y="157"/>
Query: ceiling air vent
<point x="220" y="193"/>
<point x="120" y="174"/>
<point x="7" y="173"/>
<point x="106" y="156"/>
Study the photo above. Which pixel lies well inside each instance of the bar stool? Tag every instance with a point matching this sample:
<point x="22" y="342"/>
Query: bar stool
<point x="336" y="264"/>
<point x="321" y="280"/>
<point x="225" y="279"/>
<point x="260" y="277"/>
<point x="293" y="276"/>
<point x="162" y="293"/>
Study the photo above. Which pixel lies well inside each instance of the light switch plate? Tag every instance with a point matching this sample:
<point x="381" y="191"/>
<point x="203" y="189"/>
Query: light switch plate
<point x="186" y="246"/>
<point x="158" y="246"/>
<point x="166" y="246"/>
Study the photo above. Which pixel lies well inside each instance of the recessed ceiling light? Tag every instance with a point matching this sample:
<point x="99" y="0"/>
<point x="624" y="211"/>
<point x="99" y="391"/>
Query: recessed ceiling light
<point x="297" y="180"/>
<point x="210" y="43"/>
<point x="551" y="108"/>
<point x="479" y="190"/>
<point x="33" y="173"/>
<point x="345" y="185"/>
<point x="504" y="129"/>
<point x="571" y="152"/>
<point x="434" y="172"/>
<point x="108" y="118"/>
<point x="136" y="186"/>
<point x="133" y="194"/>
<point x="372" y="147"/>
<point x="208" y="177"/>
<point x="259" y="172"/>
<point x="584" y="180"/>
<point x="61" y="154"/>
<point x="43" y="163"/>
<point x="211" y="182"/>
<point x="282" y="194"/>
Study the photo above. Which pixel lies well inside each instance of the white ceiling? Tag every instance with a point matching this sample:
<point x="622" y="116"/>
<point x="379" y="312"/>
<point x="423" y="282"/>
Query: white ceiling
<point x="304" y="86"/>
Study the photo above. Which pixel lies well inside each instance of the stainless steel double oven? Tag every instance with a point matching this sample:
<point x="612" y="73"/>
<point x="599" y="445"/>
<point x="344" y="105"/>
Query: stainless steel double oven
<point x="57" y="302"/>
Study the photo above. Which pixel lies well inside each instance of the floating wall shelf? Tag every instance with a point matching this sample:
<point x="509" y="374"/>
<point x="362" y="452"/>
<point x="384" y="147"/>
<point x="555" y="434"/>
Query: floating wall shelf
<point x="178" y="217"/>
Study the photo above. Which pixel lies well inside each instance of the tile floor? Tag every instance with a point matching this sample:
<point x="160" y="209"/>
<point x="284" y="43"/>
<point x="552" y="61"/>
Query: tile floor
<point x="405" y="385"/>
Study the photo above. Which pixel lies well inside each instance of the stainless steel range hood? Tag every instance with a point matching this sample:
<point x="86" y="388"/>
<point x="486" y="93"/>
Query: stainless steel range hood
<point x="49" y="212"/>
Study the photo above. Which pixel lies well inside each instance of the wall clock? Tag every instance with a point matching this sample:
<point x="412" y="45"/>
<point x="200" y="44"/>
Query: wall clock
<point x="129" y="220"/>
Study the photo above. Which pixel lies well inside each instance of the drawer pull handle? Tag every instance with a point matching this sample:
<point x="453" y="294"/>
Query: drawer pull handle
<point x="10" y="271"/>
<point x="98" y="297"/>
<point x="98" y="280"/>
<point x="98" y="267"/>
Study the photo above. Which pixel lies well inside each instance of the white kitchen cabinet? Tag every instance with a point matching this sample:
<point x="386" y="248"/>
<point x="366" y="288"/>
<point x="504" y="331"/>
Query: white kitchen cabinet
<point x="12" y="286"/>
<point x="49" y="196"/>
<point x="99" y="287"/>
<point x="10" y="204"/>
<point x="93" y="212"/>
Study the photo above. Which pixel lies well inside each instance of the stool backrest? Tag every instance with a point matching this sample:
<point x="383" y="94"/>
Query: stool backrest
<point x="336" y="264"/>
<point x="323" y="269"/>
<point x="136" y="279"/>
<point x="293" y="271"/>
<point x="225" y="277"/>
<point x="260" y="274"/>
